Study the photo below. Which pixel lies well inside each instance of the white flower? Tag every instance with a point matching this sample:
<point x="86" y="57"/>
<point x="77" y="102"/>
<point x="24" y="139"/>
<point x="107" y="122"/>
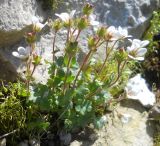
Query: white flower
<point x="92" y="20"/>
<point x="65" y="17"/>
<point x="37" y="26"/>
<point x="136" y="50"/>
<point x="137" y="89"/>
<point x="125" y="118"/>
<point x="22" y="53"/>
<point x="122" y="33"/>
<point x="112" y="33"/>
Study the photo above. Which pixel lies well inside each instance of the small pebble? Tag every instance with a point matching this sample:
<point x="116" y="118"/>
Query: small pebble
<point x="65" y="138"/>
<point x="3" y="142"/>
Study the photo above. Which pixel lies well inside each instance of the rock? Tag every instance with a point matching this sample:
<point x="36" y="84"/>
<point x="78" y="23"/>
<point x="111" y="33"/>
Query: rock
<point x="7" y="70"/>
<point x="15" y="20"/>
<point x="137" y="132"/>
<point x="131" y="14"/>
<point x="51" y="143"/>
<point x="34" y="142"/>
<point x="137" y="89"/>
<point x="24" y="143"/>
<point x="125" y="118"/>
<point x="65" y="138"/>
<point x="3" y="142"/>
<point x="76" y="143"/>
<point x="155" y="112"/>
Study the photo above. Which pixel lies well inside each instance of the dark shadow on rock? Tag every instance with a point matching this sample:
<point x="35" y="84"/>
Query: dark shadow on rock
<point x="133" y="104"/>
<point x="86" y="136"/>
<point x="7" y="71"/>
<point x="151" y="128"/>
<point x="12" y="37"/>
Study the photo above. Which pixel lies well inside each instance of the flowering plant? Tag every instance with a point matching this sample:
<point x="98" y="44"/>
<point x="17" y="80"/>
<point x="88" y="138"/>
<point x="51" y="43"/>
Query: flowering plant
<point x="80" y="93"/>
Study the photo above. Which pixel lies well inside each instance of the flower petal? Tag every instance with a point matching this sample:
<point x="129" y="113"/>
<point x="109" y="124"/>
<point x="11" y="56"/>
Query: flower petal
<point x="94" y="23"/>
<point x="39" y="25"/>
<point x="15" y="54"/>
<point x="139" y="58"/>
<point x="72" y="13"/>
<point x="144" y="43"/>
<point x="21" y="50"/>
<point x="35" y="20"/>
<point x="141" y="51"/>
<point x="92" y="20"/>
<point x="63" y="16"/>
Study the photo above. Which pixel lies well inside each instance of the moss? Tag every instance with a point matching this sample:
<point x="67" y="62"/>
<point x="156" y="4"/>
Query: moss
<point x="151" y="65"/>
<point x="157" y="139"/>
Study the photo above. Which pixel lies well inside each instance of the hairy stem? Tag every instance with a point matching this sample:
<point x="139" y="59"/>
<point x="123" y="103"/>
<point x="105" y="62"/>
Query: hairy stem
<point x="107" y="54"/>
<point x="79" y="31"/>
<point x="65" y="80"/>
<point x="101" y="88"/>
<point x="68" y="32"/>
<point x="119" y="72"/>
<point x="84" y="62"/>
<point x="54" y="40"/>
<point x="33" y="70"/>
<point x="7" y="134"/>
<point x="29" y="66"/>
<point x="104" y="63"/>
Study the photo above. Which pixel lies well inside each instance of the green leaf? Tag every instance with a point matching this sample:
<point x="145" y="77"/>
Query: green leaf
<point x="86" y="106"/>
<point x="70" y="78"/>
<point x="60" y="61"/>
<point x="99" y="122"/>
<point x="61" y="73"/>
<point x="81" y="92"/>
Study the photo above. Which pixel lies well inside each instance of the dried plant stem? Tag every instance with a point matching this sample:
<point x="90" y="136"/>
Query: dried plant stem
<point x="7" y="134"/>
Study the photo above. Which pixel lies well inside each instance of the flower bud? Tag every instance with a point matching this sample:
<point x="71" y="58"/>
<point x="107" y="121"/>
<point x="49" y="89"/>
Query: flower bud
<point x="82" y="23"/>
<point x="121" y="55"/>
<point x="87" y="9"/>
<point x="92" y="41"/>
<point x="108" y="36"/>
<point x="72" y="48"/>
<point x="30" y="37"/>
<point x="37" y="27"/>
<point x="101" y="32"/>
<point x="36" y="59"/>
<point x="56" y="25"/>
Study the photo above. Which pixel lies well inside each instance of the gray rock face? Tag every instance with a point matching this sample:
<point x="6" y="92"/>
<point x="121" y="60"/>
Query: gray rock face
<point x="16" y="16"/>
<point x="131" y="14"/>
